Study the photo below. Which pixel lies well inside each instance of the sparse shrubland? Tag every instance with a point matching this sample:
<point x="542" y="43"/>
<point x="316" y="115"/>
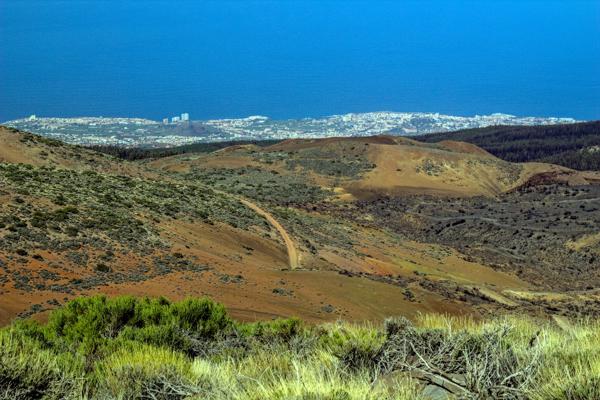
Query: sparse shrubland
<point x="315" y="230"/>
<point x="94" y="220"/>
<point x="140" y="153"/>
<point x="262" y="185"/>
<point x="111" y="201"/>
<point x="347" y="161"/>
<point x="126" y="348"/>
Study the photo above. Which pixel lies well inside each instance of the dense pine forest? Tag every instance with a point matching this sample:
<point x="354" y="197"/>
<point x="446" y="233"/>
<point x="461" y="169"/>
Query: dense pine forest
<point x="575" y="146"/>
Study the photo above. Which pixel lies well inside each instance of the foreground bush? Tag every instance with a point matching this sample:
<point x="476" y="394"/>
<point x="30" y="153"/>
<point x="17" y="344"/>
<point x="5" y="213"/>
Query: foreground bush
<point x="93" y="323"/>
<point x="29" y="372"/>
<point x="131" y="348"/>
<point x="148" y="372"/>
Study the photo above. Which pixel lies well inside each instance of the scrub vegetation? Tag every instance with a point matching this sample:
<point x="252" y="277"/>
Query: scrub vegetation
<point x="127" y="347"/>
<point x="259" y="184"/>
<point x="140" y="153"/>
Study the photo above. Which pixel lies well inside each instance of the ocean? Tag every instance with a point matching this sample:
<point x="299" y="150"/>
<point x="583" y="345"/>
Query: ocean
<point x="292" y="59"/>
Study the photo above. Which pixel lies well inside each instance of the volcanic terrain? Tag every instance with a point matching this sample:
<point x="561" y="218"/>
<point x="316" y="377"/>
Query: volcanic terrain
<point x="359" y="228"/>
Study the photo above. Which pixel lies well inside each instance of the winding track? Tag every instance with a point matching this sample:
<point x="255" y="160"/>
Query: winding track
<point x="294" y="259"/>
<point x="293" y="255"/>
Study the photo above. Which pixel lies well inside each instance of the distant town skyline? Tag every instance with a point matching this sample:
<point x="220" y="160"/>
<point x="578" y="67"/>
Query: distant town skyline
<point x="144" y="132"/>
<point x="295" y="59"/>
<point x="186" y="116"/>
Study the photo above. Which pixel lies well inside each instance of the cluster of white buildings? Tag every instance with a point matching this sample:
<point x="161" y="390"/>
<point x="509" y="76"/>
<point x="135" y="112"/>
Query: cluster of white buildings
<point x="364" y="124"/>
<point x="184" y="117"/>
<point x="175" y="131"/>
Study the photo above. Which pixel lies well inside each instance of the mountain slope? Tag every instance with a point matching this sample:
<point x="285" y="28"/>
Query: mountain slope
<point x="28" y="148"/>
<point x="68" y="229"/>
<point x="370" y="226"/>
<point x="438" y="193"/>
<point x="365" y="167"/>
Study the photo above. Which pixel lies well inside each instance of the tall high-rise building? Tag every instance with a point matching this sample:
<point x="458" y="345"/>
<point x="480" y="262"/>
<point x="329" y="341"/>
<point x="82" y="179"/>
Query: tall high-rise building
<point x="175" y="119"/>
<point x="165" y="121"/>
<point x="185" y="116"/>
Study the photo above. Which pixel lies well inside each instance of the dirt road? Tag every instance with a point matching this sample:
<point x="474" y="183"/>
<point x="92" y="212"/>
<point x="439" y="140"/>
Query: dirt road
<point x="289" y="243"/>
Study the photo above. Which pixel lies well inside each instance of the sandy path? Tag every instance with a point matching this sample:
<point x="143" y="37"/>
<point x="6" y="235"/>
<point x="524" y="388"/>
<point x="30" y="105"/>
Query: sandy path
<point x="294" y="258"/>
<point x="289" y="243"/>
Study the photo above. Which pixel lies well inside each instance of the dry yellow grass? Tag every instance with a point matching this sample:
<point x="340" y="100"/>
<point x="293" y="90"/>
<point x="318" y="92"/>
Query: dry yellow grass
<point x="583" y="242"/>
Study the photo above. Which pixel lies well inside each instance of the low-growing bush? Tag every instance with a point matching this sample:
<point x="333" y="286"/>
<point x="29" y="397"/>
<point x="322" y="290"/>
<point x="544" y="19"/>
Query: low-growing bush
<point x="145" y="372"/>
<point x="29" y="372"/>
<point x="356" y="345"/>
<point x="130" y="348"/>
<point x="279" y="329"/>
<point x="92" y="321"/>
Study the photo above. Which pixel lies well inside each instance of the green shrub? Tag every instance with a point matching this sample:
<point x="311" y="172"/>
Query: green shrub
<point x="159" y="335"/>
<point x="201" y="316"/>
<point x="101" y="267"/>
<point x="130" y="348"/>
<point x="355" y="345"/>
<point x="145" y="372"/>
<point x="90" y="322"/>
<point x="29" y="372"/>
<point x="283" y="329"/>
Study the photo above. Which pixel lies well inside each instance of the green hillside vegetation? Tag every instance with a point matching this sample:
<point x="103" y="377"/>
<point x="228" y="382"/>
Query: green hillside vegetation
<point x="109" y="198"/>
<point x="139" y="153"/>
<point x="93" y="218"/>
<point x="570" y="145"/>
<point x="259" y="184"/>
<point x="126" y="348"/>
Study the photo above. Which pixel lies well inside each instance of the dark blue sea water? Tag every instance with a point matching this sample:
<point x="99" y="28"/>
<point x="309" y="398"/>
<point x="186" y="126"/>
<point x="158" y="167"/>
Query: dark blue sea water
<point x="288" y="59"/>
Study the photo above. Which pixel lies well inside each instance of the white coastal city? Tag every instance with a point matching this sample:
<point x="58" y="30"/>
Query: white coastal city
<point x="180" y="129"/>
